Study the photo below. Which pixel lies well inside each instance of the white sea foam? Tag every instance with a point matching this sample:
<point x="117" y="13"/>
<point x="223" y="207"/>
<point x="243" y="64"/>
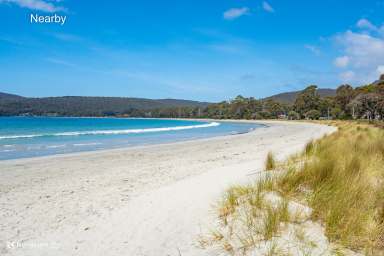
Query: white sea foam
<point x="112" y="132"/>
<point x="8" y="150"/>
<point x="56" y="146"/>
<point x="21" y="136"/>
<point x="86" y="144"/>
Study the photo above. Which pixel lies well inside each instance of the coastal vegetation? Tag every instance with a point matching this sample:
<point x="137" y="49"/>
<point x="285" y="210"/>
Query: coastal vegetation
<point x="335" y="185"/>
<point x="364" y="102"/>
<point x="270" y="162"/>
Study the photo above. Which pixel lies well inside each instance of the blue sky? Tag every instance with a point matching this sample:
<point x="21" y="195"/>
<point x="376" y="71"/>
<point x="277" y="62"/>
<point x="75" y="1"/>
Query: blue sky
<point x="202" y="50"/>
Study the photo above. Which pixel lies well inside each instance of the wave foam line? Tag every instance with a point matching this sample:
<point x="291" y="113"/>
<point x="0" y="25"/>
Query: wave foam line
<point x="113" y="132"/>
<point x="86" y="144"/>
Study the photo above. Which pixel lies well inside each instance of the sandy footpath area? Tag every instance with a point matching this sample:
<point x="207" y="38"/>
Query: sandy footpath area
<point x="151" y="200"/>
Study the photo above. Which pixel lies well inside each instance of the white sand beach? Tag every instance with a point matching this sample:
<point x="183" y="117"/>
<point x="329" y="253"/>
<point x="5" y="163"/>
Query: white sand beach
<point x="150" y="200"/>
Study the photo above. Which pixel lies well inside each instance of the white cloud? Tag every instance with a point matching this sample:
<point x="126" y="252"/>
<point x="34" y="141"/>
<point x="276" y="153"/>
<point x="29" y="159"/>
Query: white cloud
<point x="365" y="24"/>
<point x="362" y="53"/>
<point x="369" y="27"/>
<point x="234" y="13"/>
<point x="313" y="49"/>
<point x="341" y="62"/>
<point x="267" y="7"/>
<point x="39" y="5"/>
<point x="347" y="76"/>
<point x="364" y="50"/>
<point x="380" y="70"/>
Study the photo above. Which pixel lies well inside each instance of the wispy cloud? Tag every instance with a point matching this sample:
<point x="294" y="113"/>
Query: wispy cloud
<point x="247" y="76"/>
<point x="174" y="83"/>
<point x="219" y="41"/>
<point x="229" y="48"/>
<point x="368" y="26"/>
<point x="38" y="5"/>
<point x="10" y="40"/>
<point x="267" y="7"/>
<point x="235" y="13"/>
<point x="380" y="70"/>
<point x="67" y="37"/>
<point x="60" y="62"/>
<point x="365" y="24"/>
<point x="348" y="76"/>
<point x="341" y="62"/>
<point x="314" y="49"/>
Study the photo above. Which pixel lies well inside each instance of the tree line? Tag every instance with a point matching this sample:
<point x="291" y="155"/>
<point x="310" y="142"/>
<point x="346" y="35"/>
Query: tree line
<point x="364" y="102"/>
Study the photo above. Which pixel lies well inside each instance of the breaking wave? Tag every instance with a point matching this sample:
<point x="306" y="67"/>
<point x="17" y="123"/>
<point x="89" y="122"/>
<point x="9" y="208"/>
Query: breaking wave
<point x="112" y="132"/>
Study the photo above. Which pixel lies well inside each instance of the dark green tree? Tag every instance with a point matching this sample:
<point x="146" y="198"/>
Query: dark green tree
<point x="344" y="95"/>
<point x="307" y="100"/>
<point x="312" y="114"/>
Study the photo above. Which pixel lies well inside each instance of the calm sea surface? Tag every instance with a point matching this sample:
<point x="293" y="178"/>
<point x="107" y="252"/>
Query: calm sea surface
<point x="39" y="136"/>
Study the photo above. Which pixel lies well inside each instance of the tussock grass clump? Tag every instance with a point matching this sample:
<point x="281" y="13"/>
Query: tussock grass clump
<point x="271" y="223"/>
<point x="309" y="148"/>
<point x="344" y="177"/>
<point x="270" y="162"/>
<point x="249" y="214"/>
<point x="272" y="250"/>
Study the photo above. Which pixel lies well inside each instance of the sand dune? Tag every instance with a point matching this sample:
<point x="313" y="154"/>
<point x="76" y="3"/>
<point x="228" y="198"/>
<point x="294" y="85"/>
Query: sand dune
<point x="151" y="200"/>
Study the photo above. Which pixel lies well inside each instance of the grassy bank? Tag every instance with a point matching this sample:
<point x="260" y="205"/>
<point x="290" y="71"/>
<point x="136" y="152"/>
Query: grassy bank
<point x="335" y="187"/>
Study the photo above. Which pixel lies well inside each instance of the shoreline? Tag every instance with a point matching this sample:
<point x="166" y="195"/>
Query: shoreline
<point x="134" y="147"/>
<point x="148" y="200"/>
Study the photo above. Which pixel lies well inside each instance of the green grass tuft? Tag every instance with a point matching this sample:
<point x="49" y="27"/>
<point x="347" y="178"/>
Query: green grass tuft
<point x="270" y="162"/>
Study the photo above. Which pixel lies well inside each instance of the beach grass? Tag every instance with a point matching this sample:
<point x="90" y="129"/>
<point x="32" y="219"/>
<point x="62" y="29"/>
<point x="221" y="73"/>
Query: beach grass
<point x="340" y="177"/>
<point x="345" y="176"/>
<point x="270" y="162"/>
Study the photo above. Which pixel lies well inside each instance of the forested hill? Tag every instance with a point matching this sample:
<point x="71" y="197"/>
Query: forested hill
<point x="290" y="97"/>
<point x="86" y="106"/>
<point x="11" y="105"/>
<point x="7" y="96"/>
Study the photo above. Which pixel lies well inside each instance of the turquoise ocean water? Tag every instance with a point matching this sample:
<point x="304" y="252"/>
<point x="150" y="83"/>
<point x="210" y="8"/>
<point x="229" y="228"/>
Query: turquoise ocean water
<point x="22" y="137"/>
